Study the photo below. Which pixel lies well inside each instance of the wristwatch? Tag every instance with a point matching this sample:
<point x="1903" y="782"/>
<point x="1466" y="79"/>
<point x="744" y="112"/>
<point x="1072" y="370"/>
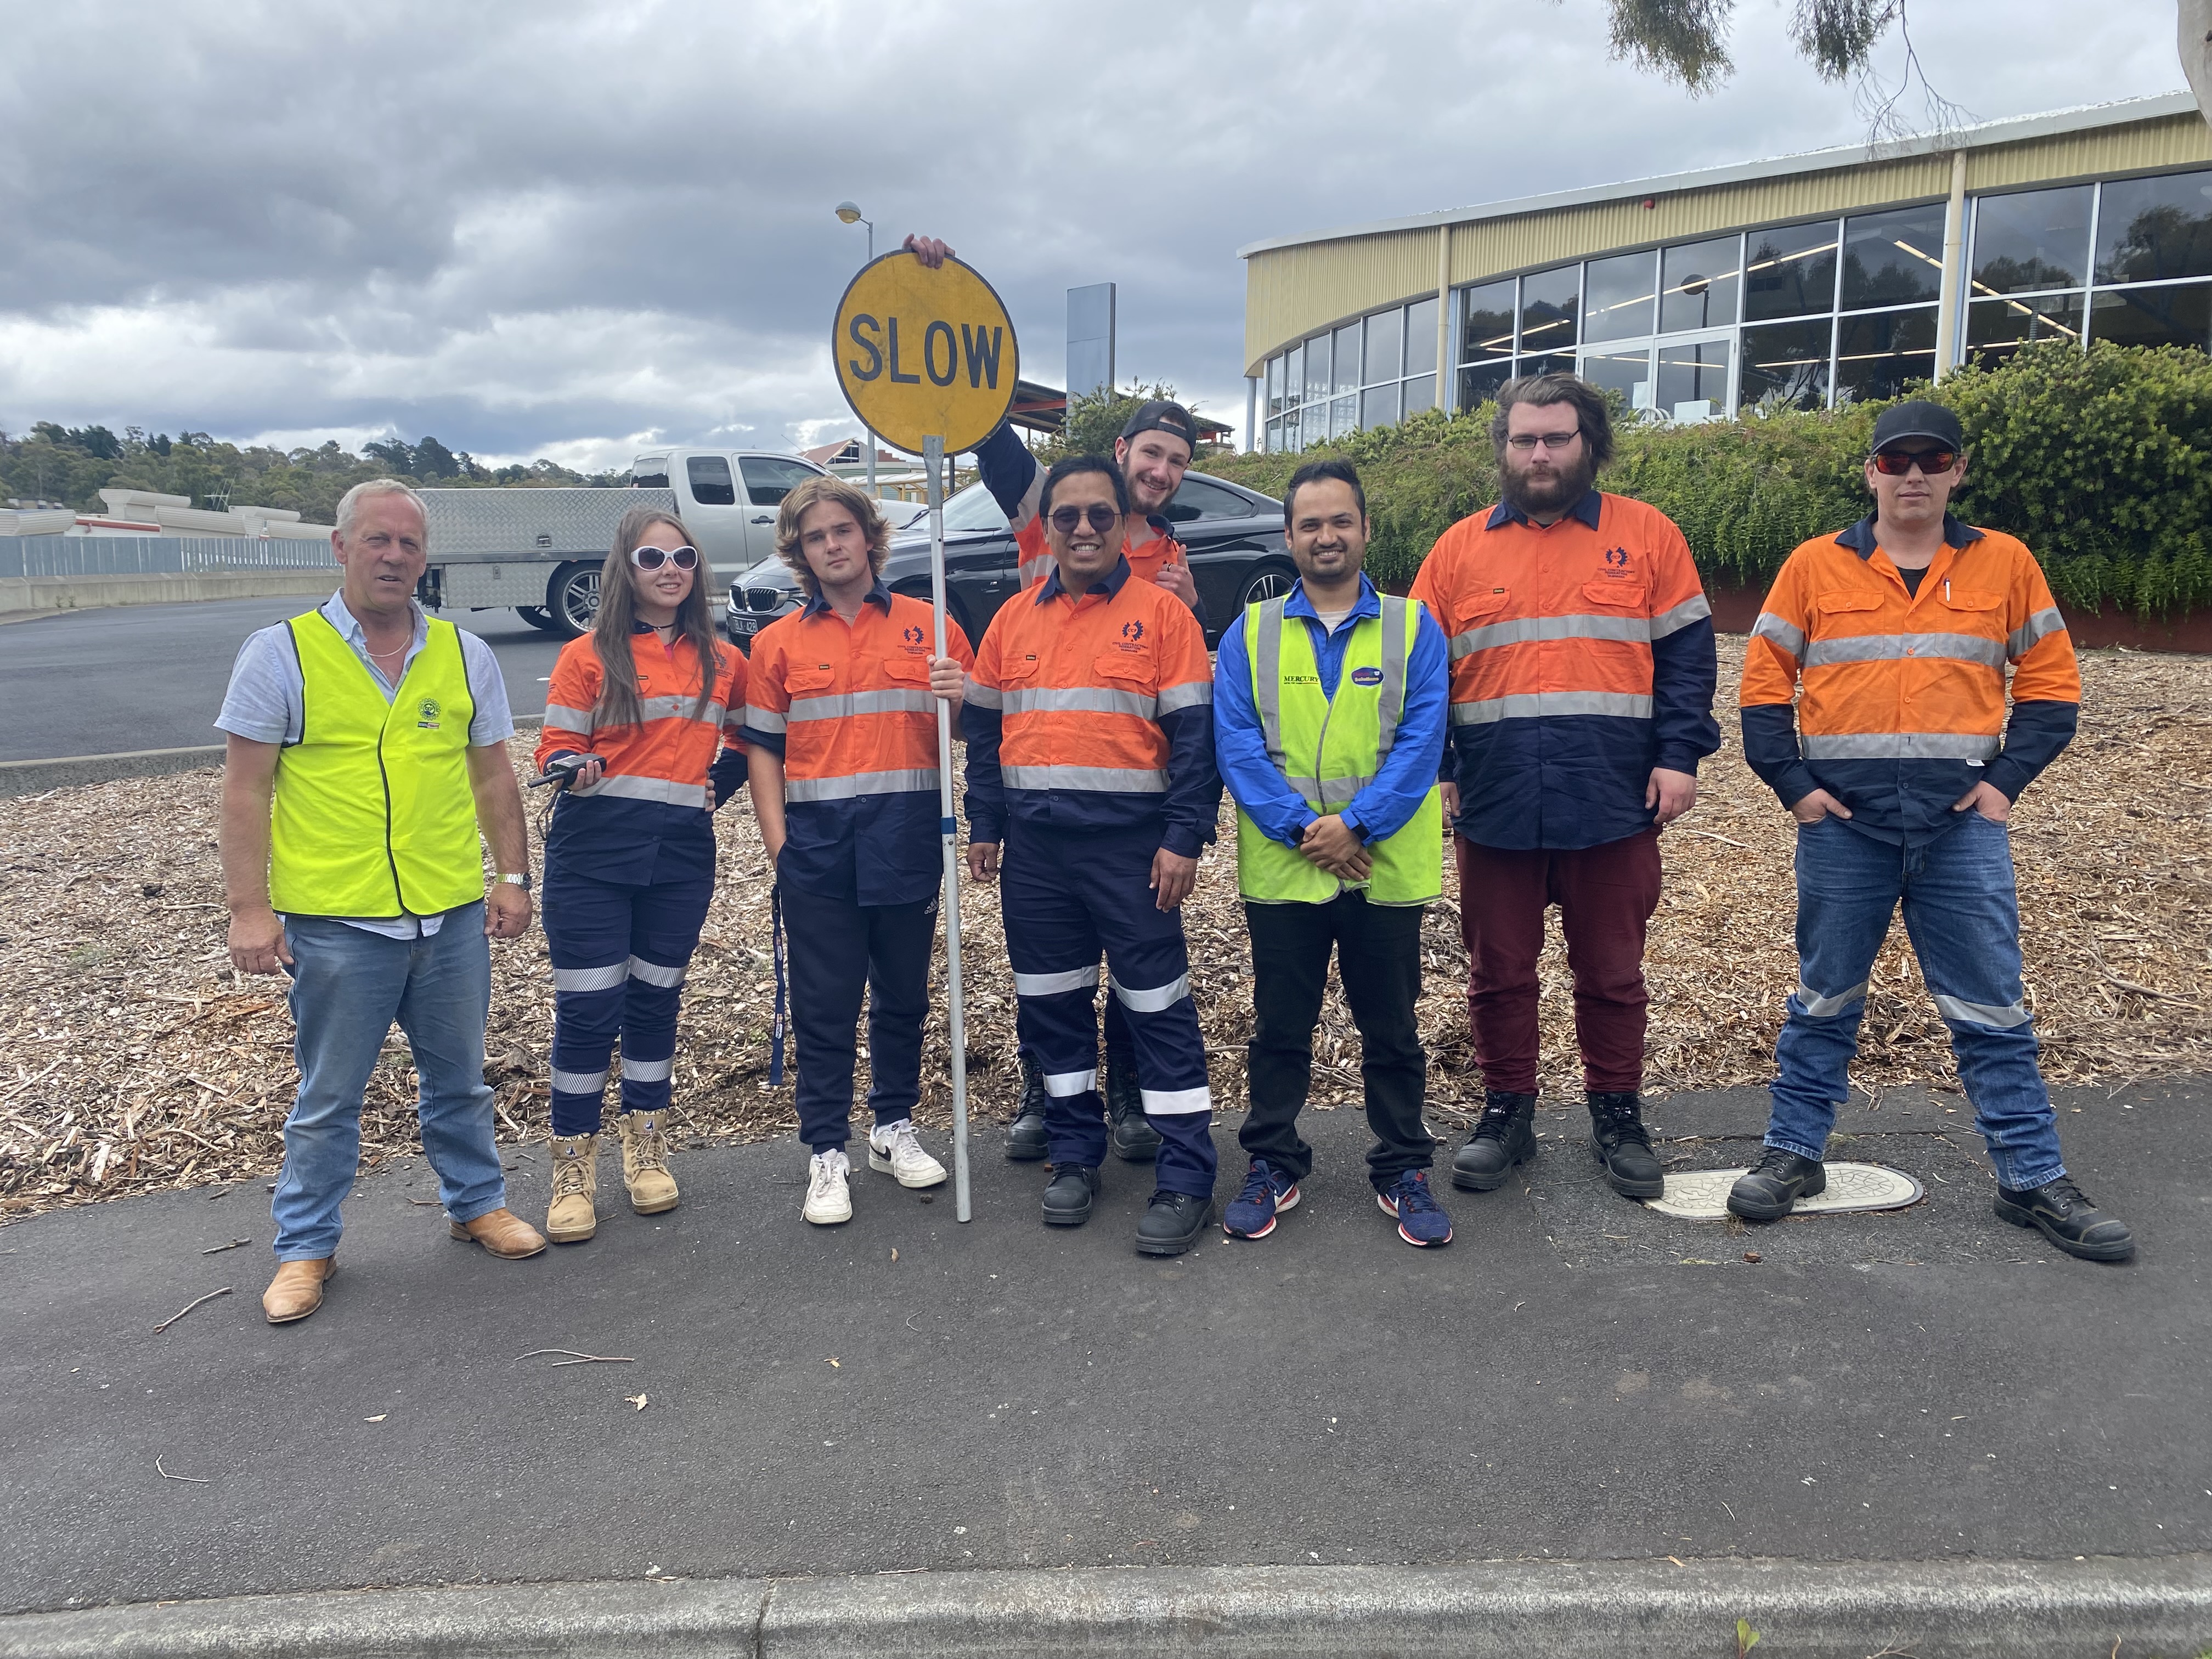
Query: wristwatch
<point x="521" y="881"/>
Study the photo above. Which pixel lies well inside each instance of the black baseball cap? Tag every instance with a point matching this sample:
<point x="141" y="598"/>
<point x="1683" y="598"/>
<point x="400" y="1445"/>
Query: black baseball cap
<point x="1918" y="419"/>
<point x="1158" y="414"/>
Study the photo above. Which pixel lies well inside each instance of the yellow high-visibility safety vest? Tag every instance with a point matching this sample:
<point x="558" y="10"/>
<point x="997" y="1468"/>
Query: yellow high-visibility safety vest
<point x="1330" y="749"/>
<point x="375" y="815"/>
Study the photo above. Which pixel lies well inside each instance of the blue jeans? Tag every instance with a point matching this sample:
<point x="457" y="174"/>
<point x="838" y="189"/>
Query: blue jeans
<point x="348" y="986"/>
<point x="1962" y="913"/>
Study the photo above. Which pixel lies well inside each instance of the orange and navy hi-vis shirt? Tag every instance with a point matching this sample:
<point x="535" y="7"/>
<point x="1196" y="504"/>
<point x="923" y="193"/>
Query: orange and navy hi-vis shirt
<point x="848" y="705"/>
<point x="652" y="793"/>
<point x="1147" y="558"/>
<point x="1583" y="656"/>
<point x="1903" y="706"/>
<point x="1093" y="712"/>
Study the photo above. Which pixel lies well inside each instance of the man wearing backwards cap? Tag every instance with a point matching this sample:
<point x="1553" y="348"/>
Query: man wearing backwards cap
<point x="1154" y="452"/>
<point x="1901" y="769"/>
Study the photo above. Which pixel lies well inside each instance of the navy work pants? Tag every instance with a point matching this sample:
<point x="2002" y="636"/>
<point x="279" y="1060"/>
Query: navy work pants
<point x="1067" y="896"/>
<point x="837" y="949"/>
<point x="619" y="952"/>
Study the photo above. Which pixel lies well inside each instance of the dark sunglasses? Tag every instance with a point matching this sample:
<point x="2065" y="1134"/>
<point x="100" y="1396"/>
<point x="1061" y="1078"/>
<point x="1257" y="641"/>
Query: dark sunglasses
<point x="1103" y="518"/>
<point x="1896" y="463"/>
<point x="652" y="558"/>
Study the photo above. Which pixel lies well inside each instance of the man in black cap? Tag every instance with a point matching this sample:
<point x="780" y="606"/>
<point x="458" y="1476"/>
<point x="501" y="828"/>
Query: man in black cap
<point x="1900" y="764"/>
<point x="1154" y="452"/>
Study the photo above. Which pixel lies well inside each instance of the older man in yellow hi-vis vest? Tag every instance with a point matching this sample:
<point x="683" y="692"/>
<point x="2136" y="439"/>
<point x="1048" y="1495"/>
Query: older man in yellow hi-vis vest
<point x="1330" y="706"/>
<point x="365" y="745"/>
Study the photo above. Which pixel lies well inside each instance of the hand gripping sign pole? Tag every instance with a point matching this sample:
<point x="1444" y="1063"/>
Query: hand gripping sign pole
<point x="927" y="360"/>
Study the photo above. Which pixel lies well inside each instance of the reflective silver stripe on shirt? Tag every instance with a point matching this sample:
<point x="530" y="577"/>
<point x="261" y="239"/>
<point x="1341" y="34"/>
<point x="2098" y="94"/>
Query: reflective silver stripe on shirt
<point x="1268" y="671"/>
<point x="1532" y="705"/>
<point x="1983" y="1013"/>
<point x="1900" y="745"/>
<point x="579" y="1083"/>
<point x="763" y="719"/>
<point x="1053" y="985"/>
<point x="1106" y="779"/>
<point x="591" y="979"/>
<point x="1080" y="699"/>
<point x="1635" y="630"/>
<point x="983" y="696"/>
<point x="1176" y="1103"/>
<point x="655" y="973"/>
<point x="1329" y="795"/>
<point x="647" y="1070"/>
<point x="861" y="783"/>
<point x="568" y="718"/>
<point x="679" y="709"/>
<point x="1896" y="647"/>
<point x="1196" y="695"/>
<point x="1822" y="1008"/>
<point x="1391" y="698"/>
<point x="1677" y="617"/>
<point x="1159" y="998"/>
<point x="1786" y="635"/>
<point x="837" y="705"/>
<point x="659" y="789"/>
<point x="2041" y="625"/>
<point x="1061" y="1084"/>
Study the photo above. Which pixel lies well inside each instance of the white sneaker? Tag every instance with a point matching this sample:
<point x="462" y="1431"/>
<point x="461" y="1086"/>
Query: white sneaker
<point x="828" y="1192"/>
<point x="894" y="1150"/>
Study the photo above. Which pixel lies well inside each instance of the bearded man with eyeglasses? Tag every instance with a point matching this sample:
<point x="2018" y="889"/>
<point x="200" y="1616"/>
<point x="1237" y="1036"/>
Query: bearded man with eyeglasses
<point x="1582" y="689"/>
<point x="1875" y="706"/>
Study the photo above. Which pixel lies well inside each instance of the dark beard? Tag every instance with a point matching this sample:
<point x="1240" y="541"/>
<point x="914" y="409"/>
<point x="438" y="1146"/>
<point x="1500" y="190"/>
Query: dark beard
<point x="1568" y="485"/>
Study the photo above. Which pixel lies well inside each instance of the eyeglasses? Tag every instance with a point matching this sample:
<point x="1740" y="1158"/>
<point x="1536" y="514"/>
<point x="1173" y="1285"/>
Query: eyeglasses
<point x="1527" y="441"/>
<point x="1103" y="518"/>
<point x="1896" y="463"/>
<point x="652" y="558"/>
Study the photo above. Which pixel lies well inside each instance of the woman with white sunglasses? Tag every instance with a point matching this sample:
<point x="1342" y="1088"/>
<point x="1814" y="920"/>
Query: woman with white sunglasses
<point x="642" y="709"/>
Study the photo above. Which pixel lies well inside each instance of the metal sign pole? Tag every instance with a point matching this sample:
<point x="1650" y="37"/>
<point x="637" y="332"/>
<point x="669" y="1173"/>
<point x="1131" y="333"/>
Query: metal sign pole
<point x="933" y="456"/>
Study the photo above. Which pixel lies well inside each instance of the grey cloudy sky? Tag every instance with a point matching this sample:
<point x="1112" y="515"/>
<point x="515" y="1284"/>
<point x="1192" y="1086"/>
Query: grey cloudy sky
<point x="561" y="229"/>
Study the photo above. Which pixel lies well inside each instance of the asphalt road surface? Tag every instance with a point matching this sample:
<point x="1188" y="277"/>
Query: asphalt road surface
<point x="1575" y="1377"/>
<point x="152" y="676"/>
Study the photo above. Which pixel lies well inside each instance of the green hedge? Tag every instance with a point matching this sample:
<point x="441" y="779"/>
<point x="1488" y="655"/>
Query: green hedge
<point x="2100" y="461"/>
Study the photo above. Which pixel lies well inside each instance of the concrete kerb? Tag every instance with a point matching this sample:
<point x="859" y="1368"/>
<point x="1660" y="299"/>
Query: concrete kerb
<point x="32" y="777"/>
<point x="2018" y="1609"/>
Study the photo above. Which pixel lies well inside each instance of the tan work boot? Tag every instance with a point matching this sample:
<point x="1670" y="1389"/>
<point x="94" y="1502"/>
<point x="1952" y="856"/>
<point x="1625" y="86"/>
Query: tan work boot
<point x="645" y="1164"/>
<point x="502" y="1232"/>
<point x="297" y="1289"/>
<point x="575" y="1178"/>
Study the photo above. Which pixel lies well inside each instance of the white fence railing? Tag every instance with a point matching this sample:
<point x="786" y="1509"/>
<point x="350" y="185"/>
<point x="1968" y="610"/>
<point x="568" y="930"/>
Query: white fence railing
<point x="154" y="556"/>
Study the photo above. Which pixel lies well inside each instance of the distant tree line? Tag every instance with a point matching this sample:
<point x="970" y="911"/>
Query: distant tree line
<point x="72" y="465"/>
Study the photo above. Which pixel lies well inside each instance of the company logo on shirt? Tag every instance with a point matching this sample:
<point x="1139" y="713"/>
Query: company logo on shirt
<point x="1616" y="561"/>
<point x="426" y="714"/>
<point x="1133" y="631"/>
<point x="914" y="636"/>
<point x="1367" y="677"/>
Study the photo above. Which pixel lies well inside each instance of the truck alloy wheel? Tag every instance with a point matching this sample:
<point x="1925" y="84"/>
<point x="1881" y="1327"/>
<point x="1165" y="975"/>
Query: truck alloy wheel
<point x="574" y="599"/>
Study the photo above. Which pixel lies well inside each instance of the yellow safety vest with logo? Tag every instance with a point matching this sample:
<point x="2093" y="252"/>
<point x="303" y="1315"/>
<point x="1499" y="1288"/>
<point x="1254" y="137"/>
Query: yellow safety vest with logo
<point x="1330" y="749"/>
<point x="375" y="815"/>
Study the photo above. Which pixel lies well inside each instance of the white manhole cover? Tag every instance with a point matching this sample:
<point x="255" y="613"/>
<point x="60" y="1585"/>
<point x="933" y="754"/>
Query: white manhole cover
<point x="1702" y="1194"/>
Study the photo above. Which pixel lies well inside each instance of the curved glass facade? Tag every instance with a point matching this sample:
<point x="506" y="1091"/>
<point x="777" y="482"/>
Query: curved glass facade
<point x="1800" y="314"/>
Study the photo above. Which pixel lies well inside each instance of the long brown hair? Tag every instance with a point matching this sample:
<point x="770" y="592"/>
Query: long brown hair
<point x="611" y="630"/>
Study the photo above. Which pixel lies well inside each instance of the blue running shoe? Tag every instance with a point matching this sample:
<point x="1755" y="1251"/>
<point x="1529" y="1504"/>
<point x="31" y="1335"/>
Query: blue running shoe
<point x="1421" y="1220"/>
<point x="1266" y="1195"/>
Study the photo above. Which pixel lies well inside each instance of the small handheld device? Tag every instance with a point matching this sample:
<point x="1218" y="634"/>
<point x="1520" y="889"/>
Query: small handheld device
<point x="563" y="768"/>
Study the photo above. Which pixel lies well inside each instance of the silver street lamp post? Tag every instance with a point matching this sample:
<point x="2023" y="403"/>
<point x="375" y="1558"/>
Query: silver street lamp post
<point x="850" y="213"/>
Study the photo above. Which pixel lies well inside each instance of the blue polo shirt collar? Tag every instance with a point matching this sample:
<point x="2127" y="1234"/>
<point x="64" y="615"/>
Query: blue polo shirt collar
<point x="1587" y="510"/>
<point x="1110" y="584"/>
<point x="1369" y="604"/>
<point x="1860" y="538"/>
<point x="878" y="595"/>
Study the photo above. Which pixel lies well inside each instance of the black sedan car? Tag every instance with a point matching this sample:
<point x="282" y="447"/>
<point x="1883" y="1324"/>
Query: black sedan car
<point x="1234" y="537"/>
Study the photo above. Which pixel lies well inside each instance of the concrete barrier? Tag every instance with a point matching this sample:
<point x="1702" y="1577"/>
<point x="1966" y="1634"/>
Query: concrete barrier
<point x="22" y="598"/>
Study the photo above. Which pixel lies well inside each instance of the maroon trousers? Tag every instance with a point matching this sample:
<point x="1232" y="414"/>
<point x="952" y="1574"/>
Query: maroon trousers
<point x="1606" y="895"/>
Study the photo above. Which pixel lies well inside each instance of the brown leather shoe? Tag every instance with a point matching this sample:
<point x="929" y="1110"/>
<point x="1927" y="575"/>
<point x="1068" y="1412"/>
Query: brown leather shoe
<point x="297" y="1289"/>
<point x="502" y="1232"/>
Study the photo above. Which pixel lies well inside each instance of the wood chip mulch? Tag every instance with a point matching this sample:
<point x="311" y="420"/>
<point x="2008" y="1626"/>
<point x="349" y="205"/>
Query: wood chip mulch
<point x="136" y="1059"/>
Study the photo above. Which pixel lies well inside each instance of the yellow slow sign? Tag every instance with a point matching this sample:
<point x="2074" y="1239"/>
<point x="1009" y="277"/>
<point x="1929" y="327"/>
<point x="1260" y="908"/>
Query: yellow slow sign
<point x="924" y="353"/>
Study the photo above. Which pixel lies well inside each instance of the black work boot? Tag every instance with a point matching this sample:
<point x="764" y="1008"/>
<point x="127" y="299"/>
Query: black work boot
<point x="1504" y="1135"/>
<point x="1623" y="1145"/>
<point x="2062" y="1213"/>
<point x="1172" y="1223"/>
<point x="1067" y="1197"/>
<point x="1770" y="1191"/>
<point x="1025" y="1138"/>
<point x="1133" y="1136"/>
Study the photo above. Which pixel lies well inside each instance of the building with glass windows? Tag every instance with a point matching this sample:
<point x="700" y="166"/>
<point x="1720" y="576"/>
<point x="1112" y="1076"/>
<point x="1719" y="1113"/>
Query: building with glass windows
<point x="1799" y="283"/>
